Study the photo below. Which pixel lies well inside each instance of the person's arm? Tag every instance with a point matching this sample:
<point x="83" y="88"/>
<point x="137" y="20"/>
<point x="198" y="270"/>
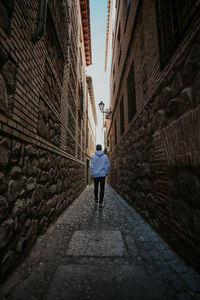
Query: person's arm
<point x="107" y="165"/>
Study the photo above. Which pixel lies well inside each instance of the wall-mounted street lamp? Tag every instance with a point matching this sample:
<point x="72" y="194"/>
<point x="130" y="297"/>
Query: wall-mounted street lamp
<point x="108" y="114"/>
<point x="107" y="111"/>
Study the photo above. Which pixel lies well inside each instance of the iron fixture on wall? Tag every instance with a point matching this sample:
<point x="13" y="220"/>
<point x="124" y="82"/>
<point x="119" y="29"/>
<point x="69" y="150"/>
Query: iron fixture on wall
<point x="107" y="111"/>
<point x="41" y="21"/>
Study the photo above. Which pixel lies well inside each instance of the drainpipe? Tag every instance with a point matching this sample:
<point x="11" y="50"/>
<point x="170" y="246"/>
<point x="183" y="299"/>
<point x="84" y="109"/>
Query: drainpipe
<point x="41" y="21"/>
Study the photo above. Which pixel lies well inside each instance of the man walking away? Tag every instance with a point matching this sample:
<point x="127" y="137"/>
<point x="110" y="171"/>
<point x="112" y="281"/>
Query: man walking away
<point x="99" y="169"/>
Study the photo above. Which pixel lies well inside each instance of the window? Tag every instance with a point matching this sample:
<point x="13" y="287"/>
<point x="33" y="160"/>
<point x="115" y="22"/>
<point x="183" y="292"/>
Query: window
<point x="120" y="53"/>
<point x="79" y="119"/>
<point x="81" y="61"/>
<point x="118" y="34"/>
<point x="127" y="9"/>
<point x="127" y="2"/>
<point x="122" y="116"/>
<point x="81" y="99"/>
<point x="113" y="87"/>
<point x="119" y="44"/>
<point x="114" y="70"/>
<point x="172" y="18"/>
<point x="131" y="93"/>
<point x="115" y="126"/>
<point x="87" y="132"/>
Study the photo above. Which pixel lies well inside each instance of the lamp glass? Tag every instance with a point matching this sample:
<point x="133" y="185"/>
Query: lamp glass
<point x="101" y="106"/>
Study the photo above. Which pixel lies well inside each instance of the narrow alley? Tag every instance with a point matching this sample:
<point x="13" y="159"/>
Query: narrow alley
<point x="101" y="254"/>
<point x="78" y="76"/>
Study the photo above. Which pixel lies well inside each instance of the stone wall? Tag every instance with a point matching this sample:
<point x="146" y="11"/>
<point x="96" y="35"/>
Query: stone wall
<point x="156" y="164"/>
<point x="42" y="143"/>
<point x="35" y="187"/>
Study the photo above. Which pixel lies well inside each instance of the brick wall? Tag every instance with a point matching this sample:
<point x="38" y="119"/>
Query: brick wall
<point x="41" y="140"/>
<point x="155" y="165"/>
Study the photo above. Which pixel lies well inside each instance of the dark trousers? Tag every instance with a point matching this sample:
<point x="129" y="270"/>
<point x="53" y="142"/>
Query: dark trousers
<point x="98" y="180"/>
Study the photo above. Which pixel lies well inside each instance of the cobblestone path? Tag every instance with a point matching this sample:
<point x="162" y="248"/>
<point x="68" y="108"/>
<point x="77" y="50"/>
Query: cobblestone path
<point x="97" y="254"/>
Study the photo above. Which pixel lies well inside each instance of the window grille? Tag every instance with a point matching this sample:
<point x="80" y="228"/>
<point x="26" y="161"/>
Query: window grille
<point x="131" y="93"/>
<point x="115" y="126"/>
<point x="81" y="99"/>
<point x="173" y="16"/>
<point x="120" y="53"/>
<point x="122" y="116"/>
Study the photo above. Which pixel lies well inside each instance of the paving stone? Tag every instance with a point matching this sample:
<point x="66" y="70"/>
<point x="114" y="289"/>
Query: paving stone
<point x="176" y="284"/>
<point x="163" y="267"/>
<point x="144" y="238"/>
<point x="109" y="254"/>
<point x="161" y="246"/>
<point x="192" y="283"/>
<point x="148" y="245"/>
<point x="178" y="266"/>
<point x="97" y="243"/>
<point x="184" y="296"/>
<point x="99" y="282"/>
<point x="155" y="255"/>
<point x="168" y="255"/>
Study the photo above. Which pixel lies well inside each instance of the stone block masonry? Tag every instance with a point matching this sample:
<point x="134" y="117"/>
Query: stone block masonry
<point x="101" y="254"/>
<point x="158" y="163"/>
<point x="42" y="152"/>
<point x="155" y="165"/>
<point x="35" y="187"/>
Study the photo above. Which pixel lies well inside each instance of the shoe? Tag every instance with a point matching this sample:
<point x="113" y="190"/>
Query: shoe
<point x="100" y="206"/>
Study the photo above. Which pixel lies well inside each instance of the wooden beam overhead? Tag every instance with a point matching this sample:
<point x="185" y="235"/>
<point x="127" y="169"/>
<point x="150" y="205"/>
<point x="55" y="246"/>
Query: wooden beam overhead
<point x="85" y="15"/>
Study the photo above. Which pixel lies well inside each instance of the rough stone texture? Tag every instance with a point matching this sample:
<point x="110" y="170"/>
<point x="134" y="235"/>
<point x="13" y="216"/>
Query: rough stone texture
<point x="7" y="76"/>
<point x="191" y="66"/>
<point x="99" y="244"/>
<point x="196" y="221"/>
<point x="3" y="95"/>
<point x="33" y="195"/>
<point x="8" y="72"/>
<point x="31" y="184"/>
<point x="15" y="172"/>
<point x="15" y="187"/>
<point x="5" y="152"/>
<point x="3" y="183"/>
<point x="6" y="232"/>
<point x="185" y="101"/>
<point x="97" y="254"/>
<point x="38" y="89"/>
<point x="18" y="208"/>
<point x="155" y="166"/>
<point x="3" y="55"/>
<point x="3" y="208"/>
<point x="189" y="188"/>
<point x="182" y="213"/>
<point x="49" y="126"/>
<point x="4" y="17"/>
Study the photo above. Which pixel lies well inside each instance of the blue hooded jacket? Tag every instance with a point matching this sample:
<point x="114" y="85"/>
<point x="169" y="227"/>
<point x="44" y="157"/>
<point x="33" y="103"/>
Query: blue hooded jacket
<point x="100" y="165"/>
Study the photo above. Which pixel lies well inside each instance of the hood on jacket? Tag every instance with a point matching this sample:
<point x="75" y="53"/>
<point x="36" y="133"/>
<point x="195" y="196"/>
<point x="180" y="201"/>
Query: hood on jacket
<point x="99" y="166"/>
<point x="99" y="153"/>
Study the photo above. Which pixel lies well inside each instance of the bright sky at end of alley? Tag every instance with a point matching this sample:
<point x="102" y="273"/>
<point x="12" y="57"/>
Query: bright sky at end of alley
<point x="98" y="17"/>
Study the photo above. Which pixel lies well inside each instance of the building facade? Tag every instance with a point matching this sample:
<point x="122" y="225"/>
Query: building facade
<point x="91" y="127"/>
<point x="42" y="117"/>
<point x="155" y="103"/>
